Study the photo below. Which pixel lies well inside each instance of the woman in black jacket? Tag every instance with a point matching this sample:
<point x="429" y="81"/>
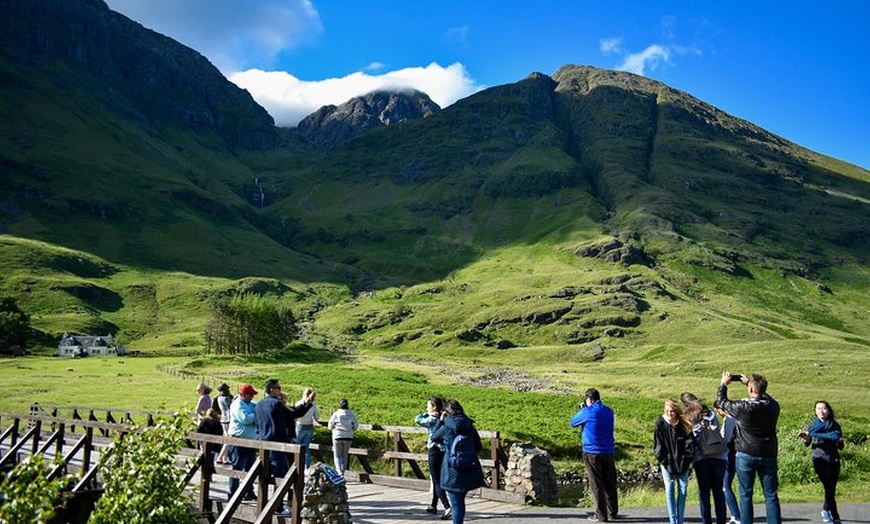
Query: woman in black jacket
<point x="457" y="483"/>
<point x="826" y="438"/>
<point x="673" y="448"/>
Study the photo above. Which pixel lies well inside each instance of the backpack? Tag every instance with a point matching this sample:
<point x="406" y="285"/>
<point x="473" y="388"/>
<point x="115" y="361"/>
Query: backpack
<point x="215" y="405"/>
<point x="710" y="441"/>
<point x="461" y="455"/>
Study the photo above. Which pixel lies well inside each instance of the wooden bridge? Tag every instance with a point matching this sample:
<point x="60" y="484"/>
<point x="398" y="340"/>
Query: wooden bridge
<point x="73" y="436"/>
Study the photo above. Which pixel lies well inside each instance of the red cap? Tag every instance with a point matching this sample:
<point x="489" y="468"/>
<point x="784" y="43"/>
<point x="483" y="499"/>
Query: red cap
<point x="247" y="389"/>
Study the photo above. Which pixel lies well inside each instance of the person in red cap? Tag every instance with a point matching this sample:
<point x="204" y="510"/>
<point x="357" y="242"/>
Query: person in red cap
<point x="243" y="424"/>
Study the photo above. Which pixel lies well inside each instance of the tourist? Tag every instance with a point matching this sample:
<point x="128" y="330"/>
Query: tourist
<point x="826" y="438"/>
<point x="757" y="445"/>
<point x="224" y="401"/>
<point x="305" y="424"/>
<point x="729" y="436"/>
<point x="599" y="446"/>
<point x="242" y="425"/>
<point x="343" y="423"/>
<point x="674" y="449"/>
<point x="457" y="483"/>
<point x="210" y="425"/>
<point x="710" y="460"/>
<point x="204" y="402"/>
<point x="274" y="424"/>
<point x="429" y="419"/>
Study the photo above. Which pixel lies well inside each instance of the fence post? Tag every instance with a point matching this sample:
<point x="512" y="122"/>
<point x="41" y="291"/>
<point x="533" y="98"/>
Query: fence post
<point x="495" y="452"/>
<point x="397" y="447"/>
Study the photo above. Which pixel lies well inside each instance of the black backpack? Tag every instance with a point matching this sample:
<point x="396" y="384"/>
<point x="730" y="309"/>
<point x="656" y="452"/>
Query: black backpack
<point x="710" y="441"/>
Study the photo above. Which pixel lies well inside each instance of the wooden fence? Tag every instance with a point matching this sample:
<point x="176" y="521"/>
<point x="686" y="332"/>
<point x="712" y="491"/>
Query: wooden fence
<point x="73" y="433"/>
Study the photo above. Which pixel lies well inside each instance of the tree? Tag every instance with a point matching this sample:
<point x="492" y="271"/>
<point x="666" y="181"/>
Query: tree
<point x="249" y="324"/>
<point x="14" y="325"/>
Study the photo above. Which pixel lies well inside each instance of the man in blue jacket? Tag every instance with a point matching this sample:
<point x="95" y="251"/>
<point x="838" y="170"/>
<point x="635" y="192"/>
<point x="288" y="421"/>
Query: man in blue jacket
<point x="599" y="447"/>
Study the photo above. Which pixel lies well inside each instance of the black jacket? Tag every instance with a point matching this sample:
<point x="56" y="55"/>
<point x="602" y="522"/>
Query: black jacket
<point x="673" y="447"/>
<point x="756" y="420"/>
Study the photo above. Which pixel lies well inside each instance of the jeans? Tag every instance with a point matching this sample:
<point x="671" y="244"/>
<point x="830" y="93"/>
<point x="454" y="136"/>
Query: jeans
<point x="727" y="482"/>
<point x="436" y="457"/>
<point x="457" y="502"/>
<point x="676" y="498"/>
<point x="709" y="473"/>
<point x="748" y="466"/>
<point x="340" y="453"/>
<point x="304" y="436"/>
<point x="829" y="473"/>
<point x="278" y="464"/>
<point x="242" y="459"/>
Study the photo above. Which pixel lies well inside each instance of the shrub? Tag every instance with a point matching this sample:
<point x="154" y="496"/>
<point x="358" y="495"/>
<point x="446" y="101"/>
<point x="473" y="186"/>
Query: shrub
<point x="141" y="479"/>
<point x="25" y="494"/>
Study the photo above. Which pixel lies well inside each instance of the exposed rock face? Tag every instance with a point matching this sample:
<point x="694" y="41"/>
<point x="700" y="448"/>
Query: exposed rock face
<point x="331" y="125"/>
<point x="146" y="76"/>
<point x="530" y="472"/>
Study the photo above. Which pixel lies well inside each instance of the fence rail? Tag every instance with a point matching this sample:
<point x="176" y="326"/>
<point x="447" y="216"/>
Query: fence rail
<point x="73" y="434"/>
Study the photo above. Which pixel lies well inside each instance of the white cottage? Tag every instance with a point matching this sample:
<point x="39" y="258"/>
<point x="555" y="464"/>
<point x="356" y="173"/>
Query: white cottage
<point x="87" y="346"/>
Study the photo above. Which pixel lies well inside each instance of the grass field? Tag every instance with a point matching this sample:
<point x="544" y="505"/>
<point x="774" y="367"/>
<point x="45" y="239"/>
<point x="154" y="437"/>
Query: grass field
<point x="389" y="390"/>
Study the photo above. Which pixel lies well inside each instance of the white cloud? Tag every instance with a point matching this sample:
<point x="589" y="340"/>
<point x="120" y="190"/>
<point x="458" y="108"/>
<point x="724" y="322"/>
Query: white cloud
<point x="650" y="57"/>
<point x="289" y="99"/>
<point x="610" y="45"/>
<point x="232" y="34"/>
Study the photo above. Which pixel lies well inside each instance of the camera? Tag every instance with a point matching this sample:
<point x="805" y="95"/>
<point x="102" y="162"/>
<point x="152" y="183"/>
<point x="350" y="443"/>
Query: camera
<point x="736" y="378"/>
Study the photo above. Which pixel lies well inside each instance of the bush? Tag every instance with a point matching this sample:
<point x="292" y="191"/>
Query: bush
<point x="141" y="480"/>
<point x="25" y="494"/>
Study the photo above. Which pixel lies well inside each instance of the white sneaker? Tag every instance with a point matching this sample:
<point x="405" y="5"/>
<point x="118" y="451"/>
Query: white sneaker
<point x="826" y="516"/>
<point x="733" y="520"/>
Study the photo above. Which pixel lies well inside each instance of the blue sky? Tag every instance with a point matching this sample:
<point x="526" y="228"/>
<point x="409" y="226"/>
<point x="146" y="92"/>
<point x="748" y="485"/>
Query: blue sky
<point x="799" y="69"/>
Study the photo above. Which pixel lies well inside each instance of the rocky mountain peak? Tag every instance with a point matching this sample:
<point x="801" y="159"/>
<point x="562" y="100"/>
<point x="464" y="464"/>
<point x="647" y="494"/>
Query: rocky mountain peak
<point x="331" y="125"/>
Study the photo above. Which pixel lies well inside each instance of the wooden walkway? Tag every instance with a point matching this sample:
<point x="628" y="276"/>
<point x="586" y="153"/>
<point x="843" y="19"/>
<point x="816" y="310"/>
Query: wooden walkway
<point x="377" y="504"/>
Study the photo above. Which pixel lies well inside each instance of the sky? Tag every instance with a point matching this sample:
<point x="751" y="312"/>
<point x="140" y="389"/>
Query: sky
<point x="800" y="69"/>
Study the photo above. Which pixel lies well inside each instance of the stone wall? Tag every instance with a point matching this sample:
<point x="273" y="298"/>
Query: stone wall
<point x="324" y="501"/>
<point x="530" y="472"/>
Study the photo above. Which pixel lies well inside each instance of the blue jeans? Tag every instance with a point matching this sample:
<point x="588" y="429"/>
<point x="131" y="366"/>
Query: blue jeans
<point x="710" y="472"/>
<point x="242" y="459"/>
<point x="457" y="502"/>
<point x="748" y="466"/>
<point x="676" y="498"/>
<point x="304" y="436"/>
<point x="727" y="482"/>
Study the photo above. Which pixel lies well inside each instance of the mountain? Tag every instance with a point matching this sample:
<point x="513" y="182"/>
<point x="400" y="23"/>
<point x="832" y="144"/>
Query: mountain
<point x="588" y="208"/>
<point x="331" y="125"/>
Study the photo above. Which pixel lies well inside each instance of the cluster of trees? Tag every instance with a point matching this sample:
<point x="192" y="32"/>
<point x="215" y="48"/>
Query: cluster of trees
<point x="249" y="324"/>
<point x="14" y="326"/>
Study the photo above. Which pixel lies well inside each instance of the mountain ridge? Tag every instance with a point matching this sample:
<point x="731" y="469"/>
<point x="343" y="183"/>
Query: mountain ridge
<point x="618" y="191"/>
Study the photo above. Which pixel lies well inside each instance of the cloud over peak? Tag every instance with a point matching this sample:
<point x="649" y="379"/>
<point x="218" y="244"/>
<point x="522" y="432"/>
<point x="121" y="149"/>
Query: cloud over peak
<point x="289" y="99"/>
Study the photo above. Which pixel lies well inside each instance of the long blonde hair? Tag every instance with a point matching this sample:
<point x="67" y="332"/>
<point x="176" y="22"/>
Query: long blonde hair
<point x="675" y="406"/>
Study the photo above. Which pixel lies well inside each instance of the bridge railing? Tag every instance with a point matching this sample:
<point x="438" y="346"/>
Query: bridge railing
<point x="388" y="461"/>
<point x="77" y="453"/>
<point x="395" y="449"/>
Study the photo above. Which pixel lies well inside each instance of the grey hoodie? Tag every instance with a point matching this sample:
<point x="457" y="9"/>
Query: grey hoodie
<point x="343" y="423"/>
